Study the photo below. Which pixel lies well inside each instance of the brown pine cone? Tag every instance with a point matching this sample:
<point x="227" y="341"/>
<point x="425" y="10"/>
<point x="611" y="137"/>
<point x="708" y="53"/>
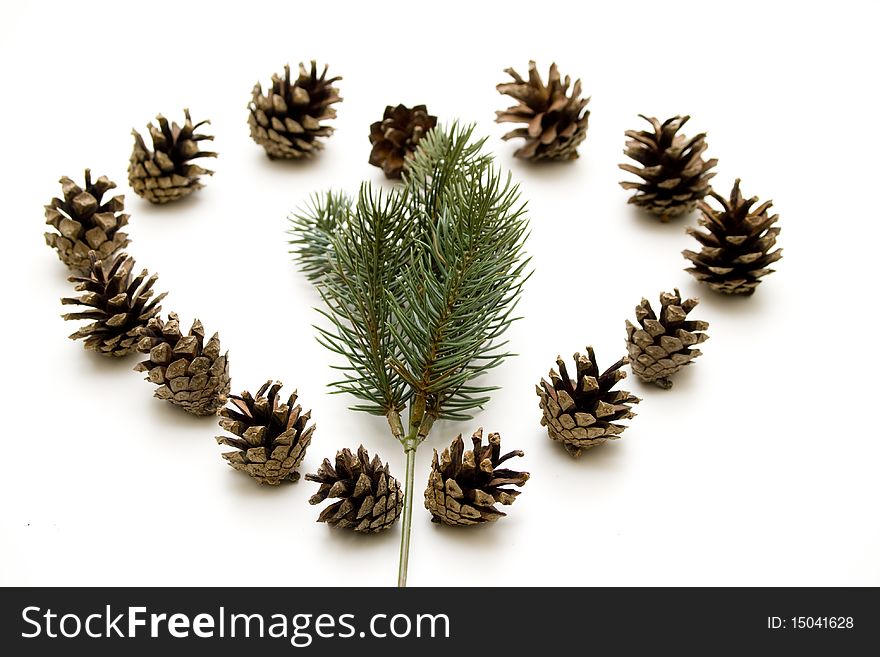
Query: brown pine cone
<point x="190" y="373"/>
<point x="370" y="499"/>
<point x="585" y="412"/>
<point x="660" y="346"/>
<point x="286" y="121"/>
<point x="120" y="305"/>
<point x="167" y="173"/>
<point x="85" y="222"/>
<point x="737" y="244"/>
<point x="556" y="123"/>
<point x="464" y="486"/>
<point x="396" y="136"/>
<point x="674" y="174"/>
<point x="272" y="436"/>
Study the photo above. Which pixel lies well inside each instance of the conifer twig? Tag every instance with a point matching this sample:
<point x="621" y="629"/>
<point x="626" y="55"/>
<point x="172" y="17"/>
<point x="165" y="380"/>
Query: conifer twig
<point x="419" y="285"/>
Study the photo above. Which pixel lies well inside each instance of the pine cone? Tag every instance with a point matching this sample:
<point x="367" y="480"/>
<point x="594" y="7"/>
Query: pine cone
<point x="583" y="413"/>
<point x="85" y="222"/>
<point x="166" y="174"/>
<point x="189" y="373"/>
<point x="662" y="346"/>
<point x="370" y="499"/>
<point x="556" y="122"/>
<point x="674" y="174"/>
<point x="272" y="437"/>
<point x="287" y="120"/>
<point x="736" y="249"/>
<point x="119" y="305"/>
<point x="396" y="136"/>
<point x="464" y="487"/>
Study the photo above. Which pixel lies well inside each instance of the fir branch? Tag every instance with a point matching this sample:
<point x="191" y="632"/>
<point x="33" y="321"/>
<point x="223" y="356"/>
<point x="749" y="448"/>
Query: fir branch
<point x="419" y="286"/>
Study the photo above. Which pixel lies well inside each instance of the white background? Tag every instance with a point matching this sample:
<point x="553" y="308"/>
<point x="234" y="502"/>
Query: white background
<point x="759" y="467"/>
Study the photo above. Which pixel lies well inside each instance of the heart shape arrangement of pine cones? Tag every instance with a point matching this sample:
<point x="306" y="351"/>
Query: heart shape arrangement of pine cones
<point x="269" y="437"/>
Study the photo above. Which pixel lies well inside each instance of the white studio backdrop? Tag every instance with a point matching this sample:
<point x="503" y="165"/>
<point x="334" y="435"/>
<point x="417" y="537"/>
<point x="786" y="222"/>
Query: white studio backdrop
<point x="758" y="468"/>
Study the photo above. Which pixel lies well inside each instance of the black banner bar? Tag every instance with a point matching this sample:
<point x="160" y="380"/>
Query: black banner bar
<point x="439" y="621"/>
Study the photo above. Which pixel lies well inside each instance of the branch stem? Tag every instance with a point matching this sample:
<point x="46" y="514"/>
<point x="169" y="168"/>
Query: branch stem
<point x="409" y="447"/>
